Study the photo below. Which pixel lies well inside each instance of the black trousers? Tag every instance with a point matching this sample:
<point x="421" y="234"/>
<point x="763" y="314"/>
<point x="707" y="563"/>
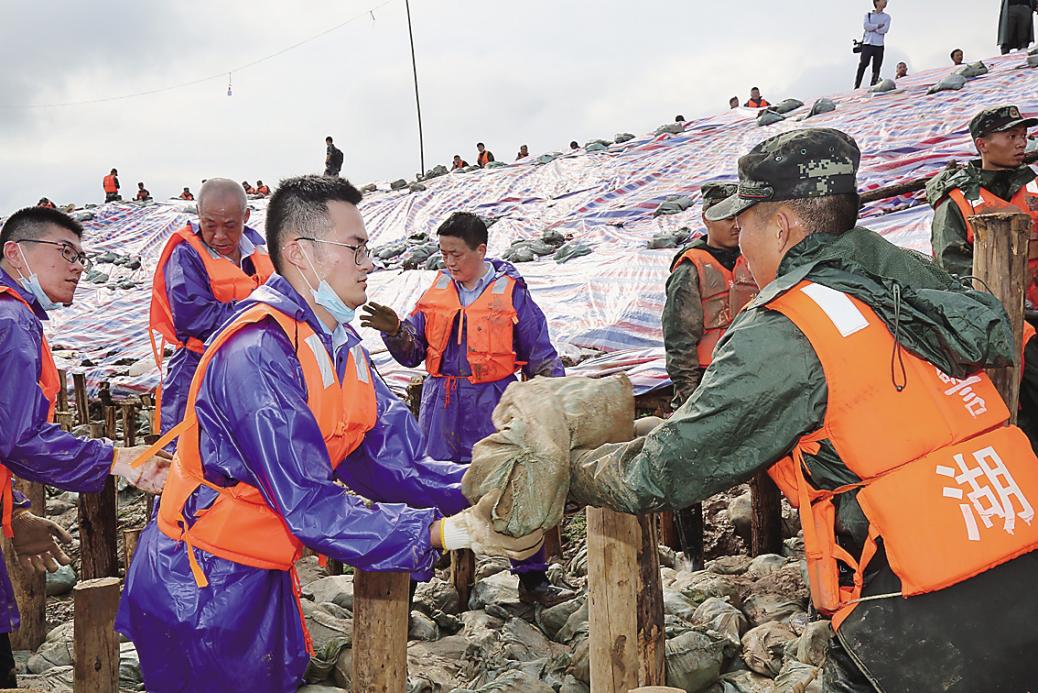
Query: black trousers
<point x="7" y="677"/>
<point x="1019" y="19"/>
<point x="872" y="54"/>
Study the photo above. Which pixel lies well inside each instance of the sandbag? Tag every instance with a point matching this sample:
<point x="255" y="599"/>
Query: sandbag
<point x="763" y="647"/>
<point x="539" y="424"/>
<point x="788" y="105"/>
<point x="769" y="117"/>
<point x="719" y="615"/>
<point x="693" y="661"/>
<point x="952" y="82"/>
<point x="883" y="86"/>
<point x="671" y="129"/>
<point x="596" y="147"/>
<point x="398" y="184"/>
<point x="623" y="137"/>
<point x="571" y="250"/>
<point x="822" y="105"/>
<point x="796" y="677"/>
<point x="1032" y="60"/>
<point x="972" y="70"/>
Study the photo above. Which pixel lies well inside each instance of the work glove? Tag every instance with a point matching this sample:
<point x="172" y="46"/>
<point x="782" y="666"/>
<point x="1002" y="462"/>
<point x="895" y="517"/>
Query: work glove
<point x="381" y="318"/>
<point x="34" y="542"/>
<point x="472" y="529"/>
<point x="150" y="475"/>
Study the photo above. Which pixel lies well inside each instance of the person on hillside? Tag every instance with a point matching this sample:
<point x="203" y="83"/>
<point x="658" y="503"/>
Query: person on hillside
<point x="901" y="70"/>
<point x="111" y="186"/>
<point x="756" y="100"/>
<point x="45" y="202"/>
<point x="458" y="163"/>
<point x="877" y="24"/>
<point x="733" y="102"/>
<point x="143" y="195"/>
<point x="1016" y="24"/>
<point x="262" y="190"/>
<point x="333" y="158"/>
<point x="573" y="146"/>
<point x="483" y="155"/>
<point x="523" y="152"/>
<point x="475" y="327"/>
<point x="247" y="187"/>
<point x="186" y="194"/>
<point x="956" y="56"/>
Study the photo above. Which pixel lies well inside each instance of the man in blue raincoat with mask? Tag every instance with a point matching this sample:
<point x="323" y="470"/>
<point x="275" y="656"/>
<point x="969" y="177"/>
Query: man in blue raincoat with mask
<point x="474" y="328"/>
<point x="284" y="404"/>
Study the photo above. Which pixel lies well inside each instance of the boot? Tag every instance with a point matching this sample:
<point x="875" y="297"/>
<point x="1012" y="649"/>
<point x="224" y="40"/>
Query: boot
<point x="534" y="588"/>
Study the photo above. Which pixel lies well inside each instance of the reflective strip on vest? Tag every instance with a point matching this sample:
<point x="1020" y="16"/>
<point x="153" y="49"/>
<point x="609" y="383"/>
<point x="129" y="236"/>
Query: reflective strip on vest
<point x="946" y="485"/>
<point x="324" y="362"/>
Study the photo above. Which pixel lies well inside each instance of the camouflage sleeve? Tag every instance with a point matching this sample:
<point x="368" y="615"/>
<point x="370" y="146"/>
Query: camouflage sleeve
<point x="682" y="330"/>
<point x="764" y="389"/>
<point x="948" y="238"/>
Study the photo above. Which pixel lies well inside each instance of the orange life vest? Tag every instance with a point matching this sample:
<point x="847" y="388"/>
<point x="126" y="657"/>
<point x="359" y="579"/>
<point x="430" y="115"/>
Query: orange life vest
<point x="759" y="103"/>
<point x="49" y="384"/>
<point x="483" y="158"/>
<point x="723" y="292"/>
<point x="263" y="190"/>
<point x="186" y="196"/>
<point x="945" y="483"/>
<point x="1026" y="200"/>
<point x="111" y="185"/>
<point x="491" y="319"/>
<point x="239" y="525"/>
<point x="226" y="280"/>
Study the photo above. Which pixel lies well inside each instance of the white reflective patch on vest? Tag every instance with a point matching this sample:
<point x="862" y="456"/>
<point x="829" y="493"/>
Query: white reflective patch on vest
<point x="360" y="362"/>
<point x="838" y="307"/>
<point x="500" y="285"/>
<point x="443" y="282"/>
<point x="975" y="202"/>
<point x="324" y="362"/>
<point x="1032" y="187"/>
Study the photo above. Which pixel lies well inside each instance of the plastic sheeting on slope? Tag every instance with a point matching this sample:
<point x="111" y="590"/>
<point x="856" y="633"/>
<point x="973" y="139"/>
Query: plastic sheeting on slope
<point x="610" y="301"/>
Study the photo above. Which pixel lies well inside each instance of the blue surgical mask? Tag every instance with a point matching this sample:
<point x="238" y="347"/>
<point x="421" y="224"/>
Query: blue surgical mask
<point x="32" y="285"/>
<point x="326" y="297"/>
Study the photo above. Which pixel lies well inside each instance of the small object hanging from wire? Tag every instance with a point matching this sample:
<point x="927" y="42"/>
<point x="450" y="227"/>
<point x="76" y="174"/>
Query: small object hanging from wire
<point x="372" y="13"/>
<point x="229" y="91"/>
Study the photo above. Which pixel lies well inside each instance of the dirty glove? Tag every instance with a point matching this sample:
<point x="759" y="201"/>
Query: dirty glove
<point x="381" y="318"/>
<point x="34" y="542"/>
<point x="150" y="475"/>
<point x="471" y="529"/>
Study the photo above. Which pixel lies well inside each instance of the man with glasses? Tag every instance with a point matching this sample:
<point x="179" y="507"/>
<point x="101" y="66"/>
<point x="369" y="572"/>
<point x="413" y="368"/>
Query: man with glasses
<point x="204" y="270"/>
<point x="284" y="405"/>
<point x="474" y="328"/>
<point x="41" y="265"/>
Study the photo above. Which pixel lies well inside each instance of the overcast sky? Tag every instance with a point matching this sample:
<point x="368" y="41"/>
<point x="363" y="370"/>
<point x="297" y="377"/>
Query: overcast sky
<point x="506" y="73"/>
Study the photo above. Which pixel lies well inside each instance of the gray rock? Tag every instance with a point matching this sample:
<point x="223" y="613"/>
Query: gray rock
<point x="61" y="582"/>
<point x="422" y="627"/>
<point x="337" y="589"/>
<point x="763" y="647"/>
<point x="693" y="661"/>
<point x="437" y="595"/>
<point x="813" y="643"/>
<point x="765" y="564"/>
<point x="767" y="607"/>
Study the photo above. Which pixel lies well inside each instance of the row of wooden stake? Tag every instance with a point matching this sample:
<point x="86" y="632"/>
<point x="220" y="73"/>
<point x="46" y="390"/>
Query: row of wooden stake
<point x="625" y="596"/>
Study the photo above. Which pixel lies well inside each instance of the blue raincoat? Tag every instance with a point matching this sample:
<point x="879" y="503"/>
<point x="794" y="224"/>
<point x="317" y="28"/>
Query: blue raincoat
<point x="243" y="631"/>
<point x="31" y="447"/>
<point x="196" y="313"/>
<point x="456" y="413"/>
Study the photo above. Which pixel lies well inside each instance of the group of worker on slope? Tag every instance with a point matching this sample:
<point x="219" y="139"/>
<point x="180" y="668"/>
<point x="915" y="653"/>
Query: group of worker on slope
<point x="270" y="401"/>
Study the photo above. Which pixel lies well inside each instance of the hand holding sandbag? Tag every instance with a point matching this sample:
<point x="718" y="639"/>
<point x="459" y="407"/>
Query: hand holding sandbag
<point x="472" y="529"/>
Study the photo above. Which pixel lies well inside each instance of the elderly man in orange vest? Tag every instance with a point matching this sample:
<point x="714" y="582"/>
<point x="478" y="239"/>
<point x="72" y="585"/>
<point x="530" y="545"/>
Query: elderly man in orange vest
<point x="856" y="379"/>
<point x="204" y="270"/>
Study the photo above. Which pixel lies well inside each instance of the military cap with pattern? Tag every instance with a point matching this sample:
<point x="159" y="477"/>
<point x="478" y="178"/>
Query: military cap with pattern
<point x="717" y="192"/>
<point x="998" y="119"/>
<point x="816" y="162"/>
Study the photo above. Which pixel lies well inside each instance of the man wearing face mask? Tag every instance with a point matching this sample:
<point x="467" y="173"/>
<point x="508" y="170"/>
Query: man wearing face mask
<point x="41" y="265"/>
<point x="856" y="380"/>
<point x="474" y="328"/>
<point x="284" y="404"/>
<point x="202" y="273"/>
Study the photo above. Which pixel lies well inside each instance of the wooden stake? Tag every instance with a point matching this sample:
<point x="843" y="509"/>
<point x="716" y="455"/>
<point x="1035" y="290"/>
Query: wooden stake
<point x="62" y="391"/>
<point x="669" y="531"/>
<point x="96" y="661"/>
<point x="380" y="631"/>
<point x="97" y="527"/>
<point x="626" y="628"/>
<point x="30" y="589"/>
<point x="553" y="543"/>
<point x="129" y="425"/>
<point x="130" y="539"/>
<point x="1000" y="253"/>
<point x="110" y="422"/>
<point x="463" y="574"/>
<point x="82" y="405"/>
<point x="766" y="517"/>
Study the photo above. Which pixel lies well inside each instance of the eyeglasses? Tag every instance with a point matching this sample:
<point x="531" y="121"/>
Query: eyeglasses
<point x="67" y="251"/>
<point x="360" y="252"/>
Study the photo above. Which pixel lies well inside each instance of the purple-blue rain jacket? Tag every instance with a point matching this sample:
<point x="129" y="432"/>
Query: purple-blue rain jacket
<point x="196" y="313"/>
<point x="452" y="425"/>
<point x="243" y="631"/>
<point x="30" y="446"/>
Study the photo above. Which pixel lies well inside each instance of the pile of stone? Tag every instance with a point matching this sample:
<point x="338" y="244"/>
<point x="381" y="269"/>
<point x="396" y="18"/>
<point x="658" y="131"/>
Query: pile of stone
<point x="115" y="271"/>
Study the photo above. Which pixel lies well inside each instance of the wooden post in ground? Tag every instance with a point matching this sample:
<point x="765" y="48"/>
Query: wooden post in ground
<point x="463" y="574"/>
<point x="553" y="543"/>
<point x="380" y="631"/>
<point x="30" y="589"/>
<point x="110" y="429"/>
<point x="129" y="424"/>
<point x="766" y="516"/>
<point x="97" y="527"/>
<point x="130" y="539"/>
<point x="1000" y="251"/>
<point x="82" y="404"/>
<point x="625" y="602"/>
<point x="669" y="531"/>
<point x="96" y="661"/>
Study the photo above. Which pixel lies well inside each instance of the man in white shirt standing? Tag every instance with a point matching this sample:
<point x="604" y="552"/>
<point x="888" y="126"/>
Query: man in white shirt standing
<point x="877" y="24"/>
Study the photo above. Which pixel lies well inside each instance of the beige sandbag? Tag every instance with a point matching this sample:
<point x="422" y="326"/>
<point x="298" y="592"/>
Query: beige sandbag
<point x="539" y="423"/>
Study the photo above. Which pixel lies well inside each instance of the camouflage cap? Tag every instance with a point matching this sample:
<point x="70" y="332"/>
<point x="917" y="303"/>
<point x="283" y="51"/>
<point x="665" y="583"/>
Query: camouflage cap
<point x="816" y="162"/>
<point x="717" y="192"/>
<point x="998" y="119"/>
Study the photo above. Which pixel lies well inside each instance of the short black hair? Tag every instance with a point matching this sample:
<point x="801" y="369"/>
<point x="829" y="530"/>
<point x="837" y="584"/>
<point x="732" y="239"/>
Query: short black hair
<point x="829" y="214"/>
<point x="300" y="204"/>
<point x="464" y="225"/>
<point x="954" y="51"/>
<point x="573" y="144"/>
<point x="32" y="222"/>
<point x="480" y="144"/>
<point x="328" y="139"/>
<point x="754" y="88"/>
